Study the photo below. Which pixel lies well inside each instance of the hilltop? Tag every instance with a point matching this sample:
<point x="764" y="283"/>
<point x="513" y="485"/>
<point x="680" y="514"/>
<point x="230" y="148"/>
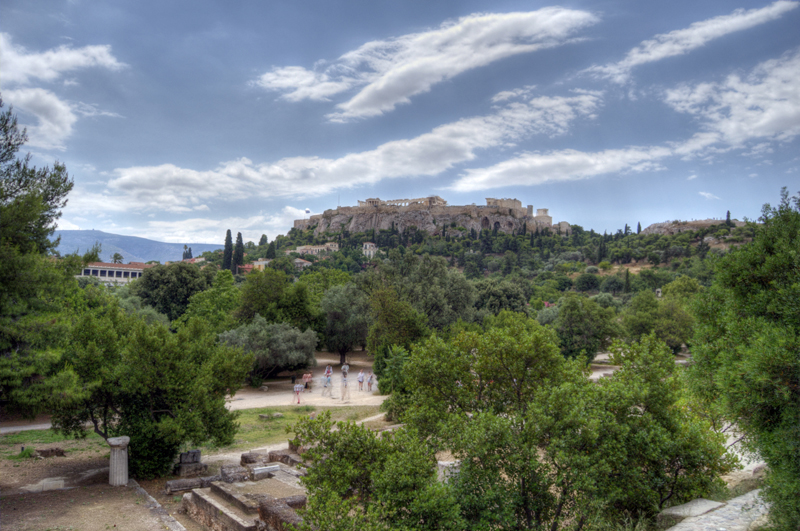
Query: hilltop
<point x="132" y="248"/>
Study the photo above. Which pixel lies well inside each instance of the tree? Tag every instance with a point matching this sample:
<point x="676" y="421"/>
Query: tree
<point x="638" y="228"/>
<point x="347" y="315"/>
<point x="497" y="295"/>
<point x="37" y="294"/>
<point x="271" y="252"/>
<point x="117" y="258"/>
<point x="746" y="350"/>
<point x="215" y="306"/>
<point x="728" y="221"/>
<point x="263" y="240"/>
<point x="359" y="480"/>
<point x="587" y="282"/>
<point x="540" y="445"/>
<point x="167" y="288"/>
<point x="394" y="323"/>
<point x="261" y="293"/>
<point x="612" y="284"/>
<point x="275" y="346"/>
<point x="124" y="377"/>
<point x="584" y="327"/>
<point x="227" y="255"/>
<point x="238" y="253"/>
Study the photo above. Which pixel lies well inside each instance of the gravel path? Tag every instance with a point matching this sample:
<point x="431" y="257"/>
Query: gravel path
<point x="739" y="514"/>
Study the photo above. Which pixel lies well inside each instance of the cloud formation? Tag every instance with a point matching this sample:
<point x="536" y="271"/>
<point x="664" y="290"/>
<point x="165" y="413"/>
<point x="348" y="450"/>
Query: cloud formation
<point x="390" y="72"/>
<point x="22" y="67"/>
<point x="175" y="189"/>
<point x="708" y="195"/>
<point x="55" y="117"/>
<point x="680" y="42"/>
<point x="765" y="105"/>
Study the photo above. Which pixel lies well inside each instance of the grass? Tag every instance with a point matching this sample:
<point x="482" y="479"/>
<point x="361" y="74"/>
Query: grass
<point x="255" y="432"/>
<point x="11" y="443"/>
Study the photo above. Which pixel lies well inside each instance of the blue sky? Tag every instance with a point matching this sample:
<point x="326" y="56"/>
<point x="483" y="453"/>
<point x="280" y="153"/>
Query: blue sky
<point x="179" y="120"/>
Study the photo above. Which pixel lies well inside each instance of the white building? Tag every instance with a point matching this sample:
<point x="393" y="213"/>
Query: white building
<point x="369" y="249"/>
<point x="114" y="273"/>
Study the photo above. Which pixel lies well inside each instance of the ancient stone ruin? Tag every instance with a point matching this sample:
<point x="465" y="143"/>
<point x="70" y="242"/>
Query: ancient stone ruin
<point x="261" y="493"/>
<point x="433" y="215"/>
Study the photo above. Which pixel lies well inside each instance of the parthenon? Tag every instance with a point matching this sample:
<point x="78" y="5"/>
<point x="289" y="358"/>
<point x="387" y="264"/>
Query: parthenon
<point x="433" y="200"/>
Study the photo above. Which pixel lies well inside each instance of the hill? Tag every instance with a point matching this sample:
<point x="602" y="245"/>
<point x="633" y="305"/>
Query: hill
<point x="132" y="248"/>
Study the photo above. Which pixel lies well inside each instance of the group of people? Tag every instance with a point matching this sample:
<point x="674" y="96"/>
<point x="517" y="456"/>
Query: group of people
<point x="327" y="385"/>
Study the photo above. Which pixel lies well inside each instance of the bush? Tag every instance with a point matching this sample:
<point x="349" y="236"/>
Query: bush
<point x="592" y="270"/>
<point x="587" y="282"/>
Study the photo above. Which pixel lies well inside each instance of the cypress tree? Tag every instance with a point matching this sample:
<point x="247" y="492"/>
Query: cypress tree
<point x="728" y="221"/>
<point x="238" y="253"/>
<point x="263" y="240"/>
<point x="638" y="227"/>
<point x="227" y="255"/>
<point x="271" y="250"/>
<point x="627" y="288"/>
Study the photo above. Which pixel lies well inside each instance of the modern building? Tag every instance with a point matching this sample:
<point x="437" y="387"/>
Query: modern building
<point x="114" y="273"/>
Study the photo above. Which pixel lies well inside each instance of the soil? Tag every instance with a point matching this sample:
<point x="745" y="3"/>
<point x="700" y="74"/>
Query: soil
<point x="88" y="508"/>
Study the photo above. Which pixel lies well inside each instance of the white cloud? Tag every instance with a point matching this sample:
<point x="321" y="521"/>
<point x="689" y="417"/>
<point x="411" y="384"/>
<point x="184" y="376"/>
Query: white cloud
<point x="708" y="195"/>
<point x="763" y="106"/>
<point x="63" y="224"/>
<point x="55" y="117"/>
<point x="175" y="189"/>
<point x="392" y="71"/>
<point x="206" y="230"/>
<point x="531" y="169"/>
<point x="21" y="66"/>
<point x="513" y="94"/>
<point x="691" y="178"/>
<point x="680" y="42"/>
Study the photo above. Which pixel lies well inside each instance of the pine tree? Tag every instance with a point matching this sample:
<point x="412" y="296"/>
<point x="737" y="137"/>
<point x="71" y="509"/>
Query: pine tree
<point x="227" y="255"/>
<point x="638" y="228"/>
<point x="238" y="254"/>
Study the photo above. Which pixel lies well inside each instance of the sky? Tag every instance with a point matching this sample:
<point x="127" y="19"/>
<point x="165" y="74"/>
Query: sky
<point x="179" y="120"/>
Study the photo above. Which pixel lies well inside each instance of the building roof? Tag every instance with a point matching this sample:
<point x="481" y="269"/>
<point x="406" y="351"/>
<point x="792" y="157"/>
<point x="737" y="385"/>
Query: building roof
<point x="132" y="265"/>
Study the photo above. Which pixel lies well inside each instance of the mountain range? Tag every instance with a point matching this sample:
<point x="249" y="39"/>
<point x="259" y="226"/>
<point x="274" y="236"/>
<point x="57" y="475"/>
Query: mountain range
<point x="132" y="248"/>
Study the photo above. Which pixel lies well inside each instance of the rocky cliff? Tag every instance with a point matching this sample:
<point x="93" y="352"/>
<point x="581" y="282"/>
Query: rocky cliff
<point x="428" y="219"/>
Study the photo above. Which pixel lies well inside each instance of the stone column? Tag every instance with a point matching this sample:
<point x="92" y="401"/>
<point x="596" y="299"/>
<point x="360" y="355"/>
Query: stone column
<point x="118" y="468"/>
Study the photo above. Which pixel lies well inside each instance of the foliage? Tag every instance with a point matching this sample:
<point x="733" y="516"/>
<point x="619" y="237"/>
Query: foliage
<point x="167" y="288"/>
<point x="159" y="388"/>
<point x="394" y="323"/>
<point x="238" y="253"/>
<point x="495" y="296"/>
<point x="227" y="255"/>
<point x="540" y="445"/>
<point x="214" y="305"/>
<point x="347" y="315"/>
<point x="746" y="350"/>
<point x="261" y="293"/>
<point x="358" y="478"/>
<point x="275" y="346"/>
<point x="584" y="327"/>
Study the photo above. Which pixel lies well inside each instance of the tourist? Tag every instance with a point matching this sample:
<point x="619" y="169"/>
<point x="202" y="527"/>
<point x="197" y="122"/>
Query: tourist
<point x="328" y="370"/>
<point x="370" y="378"/>
<point x="345" y="388"/>
<point x="297" y="390"/>
<point x="360" y="379"/>
<point x="345" y="369"/>
<point x="327" y="387"/>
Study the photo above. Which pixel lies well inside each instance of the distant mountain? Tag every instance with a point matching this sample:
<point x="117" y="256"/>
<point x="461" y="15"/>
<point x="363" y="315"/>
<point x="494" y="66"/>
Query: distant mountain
<point x="132" y="248"/>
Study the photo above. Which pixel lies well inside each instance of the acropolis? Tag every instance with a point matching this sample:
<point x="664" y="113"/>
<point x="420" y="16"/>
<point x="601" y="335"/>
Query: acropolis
<point x="431" y="214"/>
